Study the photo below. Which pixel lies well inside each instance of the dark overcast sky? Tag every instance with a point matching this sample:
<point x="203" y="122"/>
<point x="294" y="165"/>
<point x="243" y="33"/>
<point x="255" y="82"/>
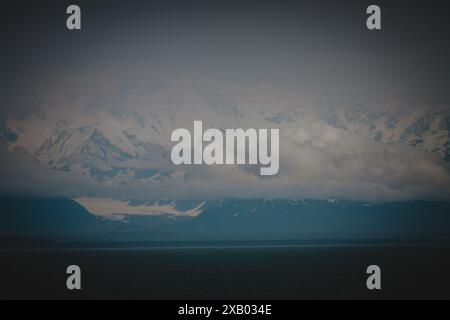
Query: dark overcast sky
<point x="288" y="41"/>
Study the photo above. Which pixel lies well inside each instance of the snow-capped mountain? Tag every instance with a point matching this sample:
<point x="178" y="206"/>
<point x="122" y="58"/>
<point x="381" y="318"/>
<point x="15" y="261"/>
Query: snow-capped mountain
<point x="118" y="145"/>
<point x="86" y="145"/>
<point x="100" y="149"/>
<point x="426" y="127"/>
<point x="6" y="135"/>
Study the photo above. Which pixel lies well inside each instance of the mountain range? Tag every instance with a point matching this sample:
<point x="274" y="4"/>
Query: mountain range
<point x="128" y="144"/>
<point x="116" y="147"/>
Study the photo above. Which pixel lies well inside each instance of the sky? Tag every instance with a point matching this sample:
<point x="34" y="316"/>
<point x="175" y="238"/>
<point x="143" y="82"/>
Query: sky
<point x="287" y="64"/>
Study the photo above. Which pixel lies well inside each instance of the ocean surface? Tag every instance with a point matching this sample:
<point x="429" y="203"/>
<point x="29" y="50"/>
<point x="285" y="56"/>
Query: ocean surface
<point x="229" y="272"/>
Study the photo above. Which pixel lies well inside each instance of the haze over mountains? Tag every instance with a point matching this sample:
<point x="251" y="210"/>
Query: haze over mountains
<point x="359" y="151"/>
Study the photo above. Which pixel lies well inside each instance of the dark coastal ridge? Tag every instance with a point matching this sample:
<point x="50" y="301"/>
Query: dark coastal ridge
<point x="60" y="221"/>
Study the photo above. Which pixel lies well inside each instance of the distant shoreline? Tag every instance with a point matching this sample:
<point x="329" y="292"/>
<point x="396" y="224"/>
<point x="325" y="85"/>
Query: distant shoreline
<point x="28" y="244"/>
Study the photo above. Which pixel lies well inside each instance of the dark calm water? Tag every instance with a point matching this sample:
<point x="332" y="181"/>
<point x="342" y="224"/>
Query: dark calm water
<point x="296" y="272"/>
